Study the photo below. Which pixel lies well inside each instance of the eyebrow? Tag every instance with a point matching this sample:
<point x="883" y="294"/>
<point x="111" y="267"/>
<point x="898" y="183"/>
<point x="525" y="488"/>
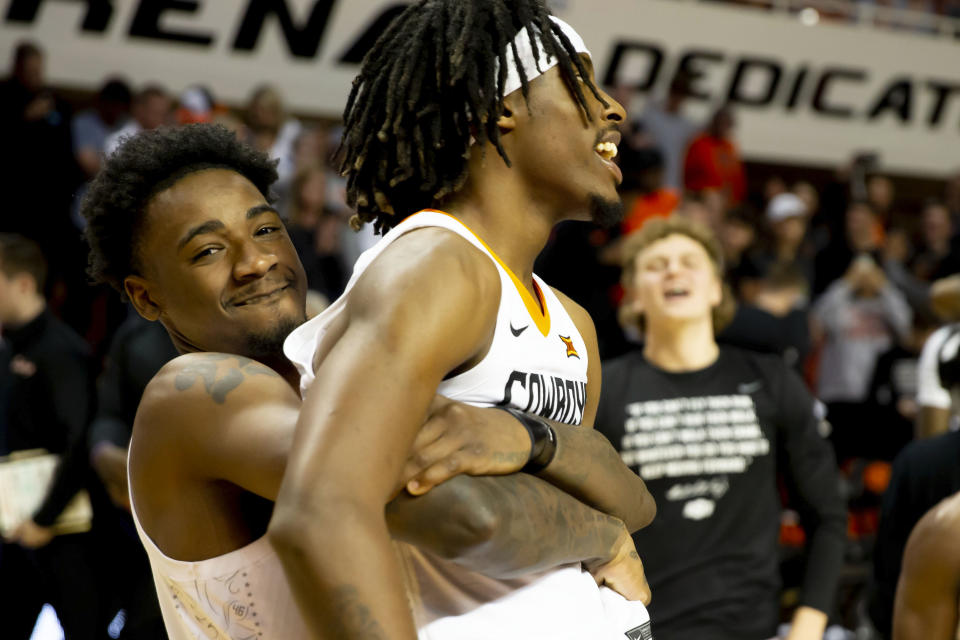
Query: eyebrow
<point x="253" y="212"/>
<point x="207" y="227"/>
<point x="215" y="225"/>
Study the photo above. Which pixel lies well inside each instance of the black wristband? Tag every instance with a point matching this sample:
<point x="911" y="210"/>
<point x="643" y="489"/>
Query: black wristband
<point x="543" y="440"/>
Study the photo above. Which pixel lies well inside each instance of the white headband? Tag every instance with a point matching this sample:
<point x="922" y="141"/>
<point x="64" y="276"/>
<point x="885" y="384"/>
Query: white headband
<point x="529" y="62"/>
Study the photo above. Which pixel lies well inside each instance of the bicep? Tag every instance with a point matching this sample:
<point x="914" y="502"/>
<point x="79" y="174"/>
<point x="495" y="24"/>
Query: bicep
<point x="926" y="604"/>
<point x="409" y="323"/>
<point x="225" y="418"/>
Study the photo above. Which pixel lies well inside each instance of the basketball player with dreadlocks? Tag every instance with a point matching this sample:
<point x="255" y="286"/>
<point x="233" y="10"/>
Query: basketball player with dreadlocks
<point x="473" y="128"/>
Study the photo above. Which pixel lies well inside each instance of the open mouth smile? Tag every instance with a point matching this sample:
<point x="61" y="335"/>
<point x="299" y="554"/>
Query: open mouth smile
<point x="606" y="149"/>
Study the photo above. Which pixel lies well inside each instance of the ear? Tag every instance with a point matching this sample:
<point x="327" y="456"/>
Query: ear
<point x="141" y="297"/>
<point x="507" y="121"/>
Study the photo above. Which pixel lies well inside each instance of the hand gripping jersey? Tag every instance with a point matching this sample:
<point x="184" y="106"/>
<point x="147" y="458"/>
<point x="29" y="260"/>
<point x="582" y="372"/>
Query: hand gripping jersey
<point x="537" y="363"/>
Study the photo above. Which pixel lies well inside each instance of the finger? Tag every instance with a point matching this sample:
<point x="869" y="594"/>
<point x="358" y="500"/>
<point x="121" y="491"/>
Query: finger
<point x="433" y="429"/>
<point x="422" y="459"/>
<point x="437" y="473"/>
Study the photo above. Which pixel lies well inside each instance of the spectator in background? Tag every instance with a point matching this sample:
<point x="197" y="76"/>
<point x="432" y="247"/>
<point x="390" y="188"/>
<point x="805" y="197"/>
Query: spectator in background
<point x="645" y="195"/>
<point x="858" y="318"/>
<point x="951" y="196"/>
<point x="708" y="428"/>
<point x="937" y="378"/>
<point x="863" y="235"/>
<point x="197" y="104"/>
<point x="92" y="127"/>
<point x="270" y="130"/>
<point x="936" y="233"/>
<point x="139" y="349"/>
<point x="315" y="230"/>
<point x="787" y="219"/>
<point x="47" y="377"/>
<point x="152" y="108"/>
<point x="37" y="161"/>
<point x="670" y="130"/>
<point x="775" y="319"/>
<point x="738" y="235"/>
<point x="713" y="163"/>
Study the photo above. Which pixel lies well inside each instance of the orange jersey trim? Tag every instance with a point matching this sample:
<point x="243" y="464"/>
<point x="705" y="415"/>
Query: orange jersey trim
<point x="537" y="309"/>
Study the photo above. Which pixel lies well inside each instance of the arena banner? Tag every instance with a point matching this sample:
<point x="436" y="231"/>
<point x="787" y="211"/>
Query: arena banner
<point x="810" y="95"/>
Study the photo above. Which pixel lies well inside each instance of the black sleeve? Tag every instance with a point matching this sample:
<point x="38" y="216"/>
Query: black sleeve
<point x="892" y="533"/>
<point x="811" y="474"/>
<point x="70" y="394"/>
<point x="110" y="424"/>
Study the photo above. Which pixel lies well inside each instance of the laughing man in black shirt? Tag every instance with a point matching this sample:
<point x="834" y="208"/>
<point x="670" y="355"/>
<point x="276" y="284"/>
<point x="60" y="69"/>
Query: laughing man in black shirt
<point x="709" y="429"/>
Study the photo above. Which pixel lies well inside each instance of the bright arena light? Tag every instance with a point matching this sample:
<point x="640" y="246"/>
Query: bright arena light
<point x="809" y="16"/>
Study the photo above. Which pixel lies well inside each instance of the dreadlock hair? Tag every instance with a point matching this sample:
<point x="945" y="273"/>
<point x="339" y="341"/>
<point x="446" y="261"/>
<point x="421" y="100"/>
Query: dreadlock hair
<point x="144" y="165"/>
<point x="431" y="84"/>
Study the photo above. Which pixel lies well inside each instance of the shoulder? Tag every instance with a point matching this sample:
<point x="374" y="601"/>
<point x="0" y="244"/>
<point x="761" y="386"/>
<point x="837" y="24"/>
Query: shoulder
<point x="935" y="536"/>
<point x="578" y="314"/>
<point x="200" y="386"/>
<point x="429" y="267"/>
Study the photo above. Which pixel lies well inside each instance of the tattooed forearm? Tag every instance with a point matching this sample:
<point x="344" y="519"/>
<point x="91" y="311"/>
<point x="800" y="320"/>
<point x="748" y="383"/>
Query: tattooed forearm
<point x="354" y="618"/>
<point x="220" y="373"/>
<point x="503" y="526"/>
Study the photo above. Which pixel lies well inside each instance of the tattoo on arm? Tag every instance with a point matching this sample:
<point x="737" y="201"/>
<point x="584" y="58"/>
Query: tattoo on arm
<point x="354" y="618"/>
<point x="527" y="511"/>
<point x="219" y="383"/>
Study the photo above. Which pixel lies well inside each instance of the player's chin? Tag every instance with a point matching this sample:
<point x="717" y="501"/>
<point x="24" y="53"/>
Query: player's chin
<point x="606" y="210"/>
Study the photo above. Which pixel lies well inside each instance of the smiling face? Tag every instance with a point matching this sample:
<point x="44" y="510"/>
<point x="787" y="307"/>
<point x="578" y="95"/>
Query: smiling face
<point x="674" y="281"/>
<point x="564" y="158"/>
<point x="217" y="267"/>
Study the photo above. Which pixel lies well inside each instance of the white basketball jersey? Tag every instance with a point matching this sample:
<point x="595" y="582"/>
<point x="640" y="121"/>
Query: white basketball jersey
<point x="241" y="595"/>
<point x="536" y="363"/>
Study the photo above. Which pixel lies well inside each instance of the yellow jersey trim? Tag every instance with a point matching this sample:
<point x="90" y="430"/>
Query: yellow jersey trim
<point x="538" y="310"/>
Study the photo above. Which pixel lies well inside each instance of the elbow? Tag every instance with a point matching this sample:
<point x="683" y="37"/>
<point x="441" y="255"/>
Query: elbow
<point x="644" y="514"/>
<point x="472" y="522"/>
<point x="303" y="523"/>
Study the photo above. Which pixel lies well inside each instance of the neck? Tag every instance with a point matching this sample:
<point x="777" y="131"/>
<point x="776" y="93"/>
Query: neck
<point x="285" y="368"/>
<point x="513" y="220"/>
<point x="28" y="312"/>
<point x="681" y="346"/>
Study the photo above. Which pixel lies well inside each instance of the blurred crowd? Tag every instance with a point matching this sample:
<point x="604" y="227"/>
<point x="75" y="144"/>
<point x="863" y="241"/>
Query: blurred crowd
<point x="840" y="276"/>
<point x="922" y="16"/>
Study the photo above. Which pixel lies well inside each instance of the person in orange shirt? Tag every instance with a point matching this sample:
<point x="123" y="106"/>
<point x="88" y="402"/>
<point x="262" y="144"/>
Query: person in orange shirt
<point x="713" y="162"/>
<point x="643" y="170"/>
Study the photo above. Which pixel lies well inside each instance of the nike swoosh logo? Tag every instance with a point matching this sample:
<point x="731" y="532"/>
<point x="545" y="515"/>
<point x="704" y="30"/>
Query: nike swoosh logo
<point x="749" y="387"/>
<point x="516" y="332"/>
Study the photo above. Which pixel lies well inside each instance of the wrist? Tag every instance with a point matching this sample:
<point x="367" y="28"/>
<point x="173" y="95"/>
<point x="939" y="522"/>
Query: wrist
<point x="543" y="440"/>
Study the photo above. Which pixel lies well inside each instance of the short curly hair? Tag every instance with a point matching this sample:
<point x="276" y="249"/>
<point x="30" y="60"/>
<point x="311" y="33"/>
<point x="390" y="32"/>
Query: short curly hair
<point x="144" y="165"/>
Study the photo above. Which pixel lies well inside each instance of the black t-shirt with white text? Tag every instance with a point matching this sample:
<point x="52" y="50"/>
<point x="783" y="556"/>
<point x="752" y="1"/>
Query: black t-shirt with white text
<point x="709" y="445"/>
